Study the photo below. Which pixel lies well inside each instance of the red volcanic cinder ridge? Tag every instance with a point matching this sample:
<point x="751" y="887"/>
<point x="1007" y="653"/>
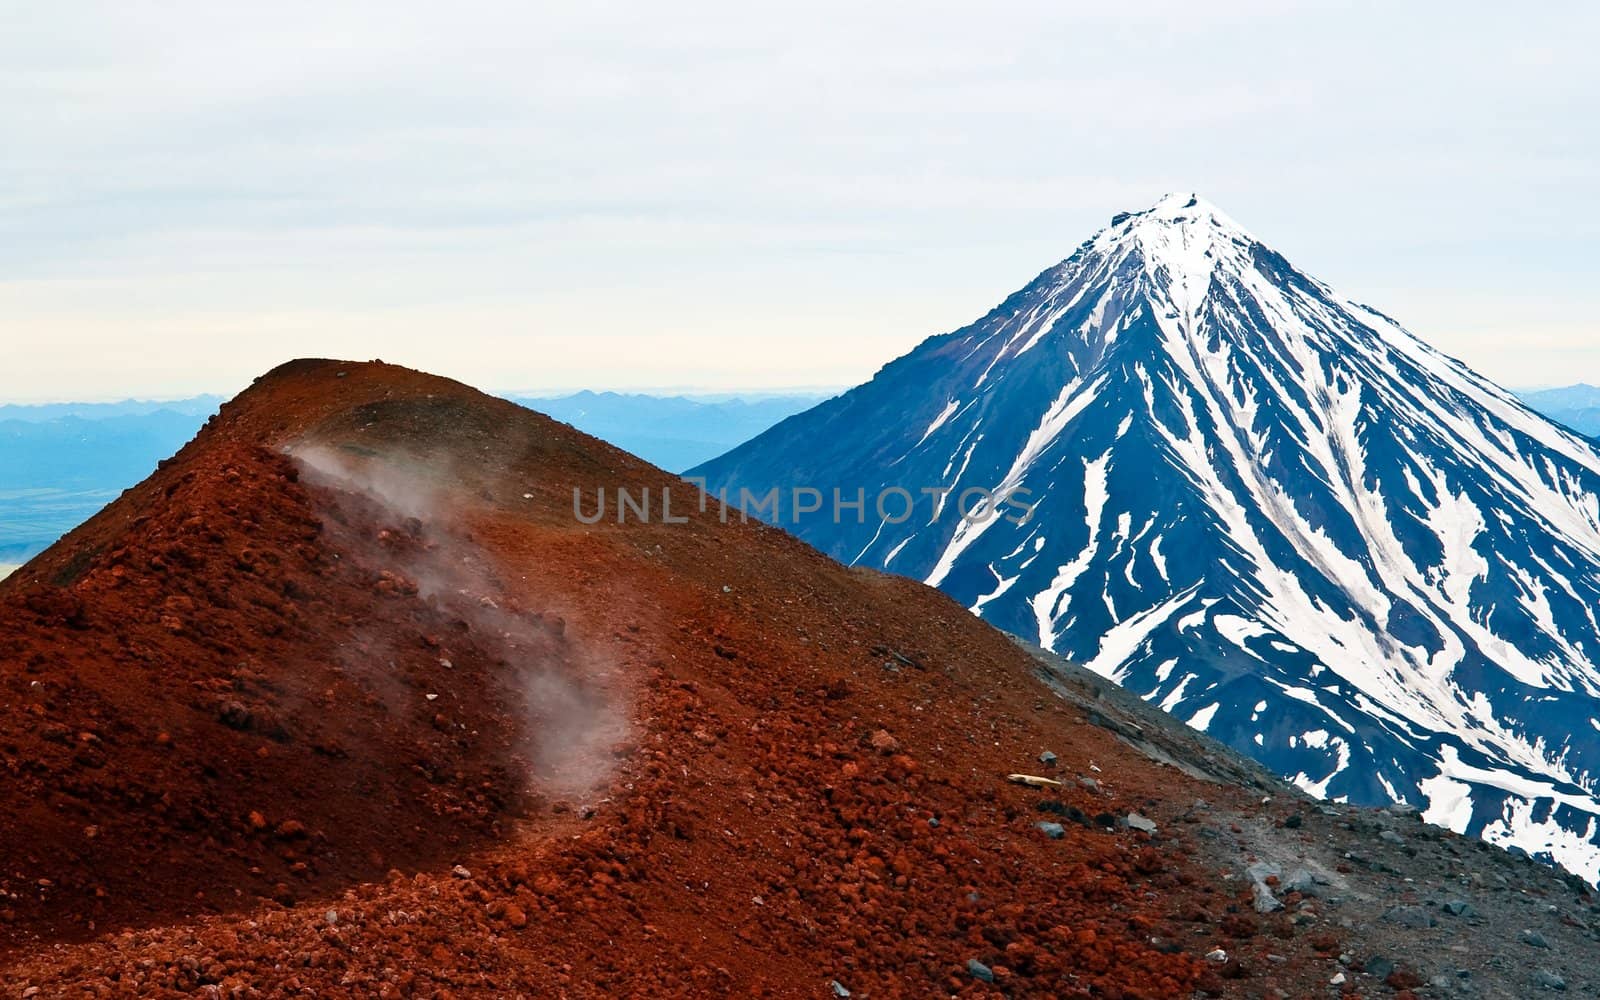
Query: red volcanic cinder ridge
<point x="343" y="701"/>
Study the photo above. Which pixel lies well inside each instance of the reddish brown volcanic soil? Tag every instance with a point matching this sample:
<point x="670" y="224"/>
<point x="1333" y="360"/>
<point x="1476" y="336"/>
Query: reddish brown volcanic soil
<point x="343" y="701"/>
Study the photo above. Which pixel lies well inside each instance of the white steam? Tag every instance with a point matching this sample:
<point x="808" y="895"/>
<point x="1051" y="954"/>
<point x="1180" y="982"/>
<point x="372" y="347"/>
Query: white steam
<point x="572" y="698"/>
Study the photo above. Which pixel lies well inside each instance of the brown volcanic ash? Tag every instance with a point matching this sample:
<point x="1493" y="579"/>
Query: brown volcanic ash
<point x="258" y="711"/>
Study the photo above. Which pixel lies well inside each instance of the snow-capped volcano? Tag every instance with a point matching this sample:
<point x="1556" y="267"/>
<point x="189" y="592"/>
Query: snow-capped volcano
<point x="1260" y="504"/>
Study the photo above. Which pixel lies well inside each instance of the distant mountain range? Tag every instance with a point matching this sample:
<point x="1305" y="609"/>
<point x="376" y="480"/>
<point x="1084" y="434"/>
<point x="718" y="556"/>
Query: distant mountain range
<point x="1256" y="502"/>
<point x="1577" y="406"/>
<point x="61" y="462"/>
<point x="673" y="432"/>
<point x="39" y="413"/>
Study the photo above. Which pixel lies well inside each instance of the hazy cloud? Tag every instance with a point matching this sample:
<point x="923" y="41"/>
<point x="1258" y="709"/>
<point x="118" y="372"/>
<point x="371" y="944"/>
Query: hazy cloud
<point x="711" y="194"/>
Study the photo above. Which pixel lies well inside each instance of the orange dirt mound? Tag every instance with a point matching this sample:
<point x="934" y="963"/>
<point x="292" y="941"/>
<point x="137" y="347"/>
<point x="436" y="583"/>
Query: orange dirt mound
<point x="343" y="701"/>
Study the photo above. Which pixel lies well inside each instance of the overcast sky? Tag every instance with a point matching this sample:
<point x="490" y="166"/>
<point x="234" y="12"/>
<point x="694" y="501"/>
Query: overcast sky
<point x="740" y="195"/>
